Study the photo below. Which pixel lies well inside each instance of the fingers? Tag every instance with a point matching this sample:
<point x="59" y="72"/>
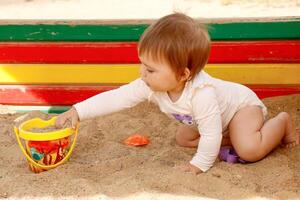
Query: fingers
<point x="60" y="121"/>
<point x="70" y="116"/>
<point x="74" y="117"/>
<point x="188" y="168"/>
<point x="183" y="168"/>
<point x="74" y="121"/>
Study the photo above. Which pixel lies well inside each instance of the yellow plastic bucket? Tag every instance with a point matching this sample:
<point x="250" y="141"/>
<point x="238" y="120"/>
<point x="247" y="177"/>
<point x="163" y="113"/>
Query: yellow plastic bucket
<point x="45" y="150"/>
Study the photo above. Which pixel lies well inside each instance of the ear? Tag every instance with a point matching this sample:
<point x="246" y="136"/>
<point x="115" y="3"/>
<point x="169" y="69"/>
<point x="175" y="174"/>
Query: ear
<point x="185" y="75"/>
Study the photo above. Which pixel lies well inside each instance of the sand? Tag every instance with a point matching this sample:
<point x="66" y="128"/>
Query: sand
<point x="144" y="9"/>
<point x="102" y="167"/>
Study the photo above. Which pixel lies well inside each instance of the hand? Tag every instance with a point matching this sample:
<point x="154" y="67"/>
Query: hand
<point x="190" y="168"/>
<point x="70" y="115"/>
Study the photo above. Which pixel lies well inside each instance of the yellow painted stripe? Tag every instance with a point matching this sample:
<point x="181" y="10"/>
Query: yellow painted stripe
<point x="124" y="73"/>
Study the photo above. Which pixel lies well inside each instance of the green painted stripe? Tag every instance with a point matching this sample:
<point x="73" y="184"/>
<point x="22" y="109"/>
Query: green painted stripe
<point x="255" y="30"/>
<point x="59" y="32"/>
<point x="132" y="32"/>
<point x="44" y="109"/>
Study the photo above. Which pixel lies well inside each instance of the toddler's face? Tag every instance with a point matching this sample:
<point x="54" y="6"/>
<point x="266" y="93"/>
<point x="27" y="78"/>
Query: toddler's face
<point x="158" y="76"/>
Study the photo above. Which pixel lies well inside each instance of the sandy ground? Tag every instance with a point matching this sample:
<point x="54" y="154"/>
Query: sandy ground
<point x="144" y="9"/>
<point x="101" y="167"/>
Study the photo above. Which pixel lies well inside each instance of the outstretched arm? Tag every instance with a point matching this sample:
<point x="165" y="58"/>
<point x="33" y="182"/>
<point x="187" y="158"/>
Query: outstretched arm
<point x="111" y="101"/>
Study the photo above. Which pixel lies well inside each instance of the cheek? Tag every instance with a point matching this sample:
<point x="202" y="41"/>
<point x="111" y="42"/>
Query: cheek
<point x="154" y="83"/>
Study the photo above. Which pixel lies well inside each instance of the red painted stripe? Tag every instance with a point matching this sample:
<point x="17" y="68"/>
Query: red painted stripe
<point x="68" y="52"/>
<point x="126" y="52"/>
<point x="68" y="95"/>
<point x="47" y="95"/>
<point x="268" y="91"/>
<point x="256" y="52"/>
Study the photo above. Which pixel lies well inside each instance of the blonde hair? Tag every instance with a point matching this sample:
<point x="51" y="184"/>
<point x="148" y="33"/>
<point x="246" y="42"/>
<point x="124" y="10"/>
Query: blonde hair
<point x="179" y="41"/>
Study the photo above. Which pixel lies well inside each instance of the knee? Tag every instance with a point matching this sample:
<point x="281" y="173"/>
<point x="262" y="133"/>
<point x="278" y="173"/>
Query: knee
<point x="186" y="138"/>
<point x="284" y="116"/>
<point x="180" y="140"/>
<point x="250" y="152"/>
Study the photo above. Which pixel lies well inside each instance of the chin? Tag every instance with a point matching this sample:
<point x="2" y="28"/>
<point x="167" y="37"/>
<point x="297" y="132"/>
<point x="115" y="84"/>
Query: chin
<point x="146" y="83"/>
<point x="158" y="90"/>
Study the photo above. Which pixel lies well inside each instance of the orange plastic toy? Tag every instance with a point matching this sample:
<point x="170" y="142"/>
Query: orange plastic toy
<point x="137" y="140"/>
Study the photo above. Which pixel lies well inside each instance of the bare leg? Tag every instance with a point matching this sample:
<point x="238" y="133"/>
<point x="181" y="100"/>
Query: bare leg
<point x="253" y="138"/>
<point x="187" y="136"/>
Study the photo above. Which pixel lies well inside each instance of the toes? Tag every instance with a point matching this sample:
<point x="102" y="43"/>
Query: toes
<point x="291" y="144"/>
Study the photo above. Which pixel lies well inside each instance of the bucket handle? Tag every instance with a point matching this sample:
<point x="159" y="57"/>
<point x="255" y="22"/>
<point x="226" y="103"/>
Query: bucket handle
<point x="46" y="166"/>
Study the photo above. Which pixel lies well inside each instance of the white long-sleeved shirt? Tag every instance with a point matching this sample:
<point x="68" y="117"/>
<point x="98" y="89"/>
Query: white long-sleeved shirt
<point x="206" y="102"/>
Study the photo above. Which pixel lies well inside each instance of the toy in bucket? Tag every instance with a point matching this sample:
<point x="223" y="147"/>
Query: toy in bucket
<point x="45" y="150"/>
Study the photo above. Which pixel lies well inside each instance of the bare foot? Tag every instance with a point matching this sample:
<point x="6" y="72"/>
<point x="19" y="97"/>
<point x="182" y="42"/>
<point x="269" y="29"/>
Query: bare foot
<point x="291" y="137"/>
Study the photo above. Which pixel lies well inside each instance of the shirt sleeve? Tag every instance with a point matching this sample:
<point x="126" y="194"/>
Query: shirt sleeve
<point x="208" y="117"/>
<point x="123" y="97"/>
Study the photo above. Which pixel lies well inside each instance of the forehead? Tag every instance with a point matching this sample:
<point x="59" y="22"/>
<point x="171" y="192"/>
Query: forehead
<point x="152" y="61"/>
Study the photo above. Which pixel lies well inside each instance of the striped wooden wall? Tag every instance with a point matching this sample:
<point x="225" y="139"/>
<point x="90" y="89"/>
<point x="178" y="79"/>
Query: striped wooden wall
<point x="50" y="65"/>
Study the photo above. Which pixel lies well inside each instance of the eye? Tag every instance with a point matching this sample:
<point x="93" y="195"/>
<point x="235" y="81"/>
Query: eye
<point x="149" y="70"/>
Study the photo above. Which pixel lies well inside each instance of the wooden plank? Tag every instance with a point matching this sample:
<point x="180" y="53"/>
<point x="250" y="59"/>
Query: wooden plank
<point x="71" y="94"/>
<point x="272" y="91"/>
<point x="67" y="73"/>
<point x="48" y="94"/>
<point x="255" y="30"/>
<point x="146" y="21"/>
<point x="126" y="52"/>
<point x="287" y="51"/>
<point x="68" y="52"/>
<point x="118" y="74"/>
<point x="45" y="109"/>
<point x="132" y="32"/>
